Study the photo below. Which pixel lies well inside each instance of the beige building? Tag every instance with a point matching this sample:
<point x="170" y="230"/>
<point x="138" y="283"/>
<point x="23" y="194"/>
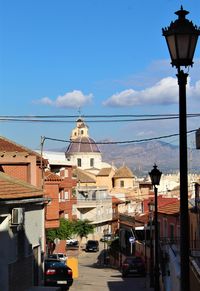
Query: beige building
<point x="123" y="178"/>
<point x="105" y="177"/>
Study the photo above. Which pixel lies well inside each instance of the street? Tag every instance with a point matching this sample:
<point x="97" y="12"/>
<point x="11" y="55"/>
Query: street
<point x="96" y="277"/>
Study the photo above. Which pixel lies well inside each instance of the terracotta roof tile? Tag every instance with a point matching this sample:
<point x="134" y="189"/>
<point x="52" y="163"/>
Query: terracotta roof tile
<point x="7" y="145"/>
<point x="104" y="172"/>
<point x="171" y="208"/>
<point x="12" y="188"/>
<point x="123" y="172"/>
<point x="83" y="177"/>
<point x="142" y="218"/>
<point x="50" y="176"/>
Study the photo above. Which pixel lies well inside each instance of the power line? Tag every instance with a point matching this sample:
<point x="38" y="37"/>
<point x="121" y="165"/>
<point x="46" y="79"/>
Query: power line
<point x="97" y="116"/>
<point x="119" y="142"/>
<point x="136" y="118"/>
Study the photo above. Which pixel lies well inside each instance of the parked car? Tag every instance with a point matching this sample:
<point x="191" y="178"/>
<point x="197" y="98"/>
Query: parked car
<point x="72" y="242"/>
<point x="57" y="273"/>
<point x="106" y="237"/>
<point x="133" y="265"/>
<point x="92" y="246"/>
<point x="59" y="256"/>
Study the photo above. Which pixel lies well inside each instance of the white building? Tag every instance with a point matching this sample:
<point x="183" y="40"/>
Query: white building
<point x="82" y="151"/>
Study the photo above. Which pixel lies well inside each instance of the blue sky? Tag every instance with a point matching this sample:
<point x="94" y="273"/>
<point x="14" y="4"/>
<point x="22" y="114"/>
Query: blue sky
<point x="102" y="56"/>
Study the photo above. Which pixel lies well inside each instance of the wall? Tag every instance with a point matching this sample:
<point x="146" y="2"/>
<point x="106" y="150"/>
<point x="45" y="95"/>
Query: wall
<point x="128" y="182"/>
<point x="16" y="249"/>
<point x="170" y="220"/>
<point x="21" y="166"/>
<point x="52" y="208"/>
<point x="85" y="158"/>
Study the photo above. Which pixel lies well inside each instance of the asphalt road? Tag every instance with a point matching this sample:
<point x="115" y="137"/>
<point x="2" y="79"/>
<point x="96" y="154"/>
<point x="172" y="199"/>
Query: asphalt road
<point x="95" y="277"/>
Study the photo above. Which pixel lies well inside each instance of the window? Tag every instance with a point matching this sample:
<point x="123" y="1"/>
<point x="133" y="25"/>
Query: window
<point x="178" y="231"/>
<point x="91" y="162"/>
<point x="63" y="195"/>
<point x="66" y="173"/>
<point x="165" y="228"/>
<point x="66" y="195"/>
<point x="73" y="209"/>
<point x="82" y="132"/>
<point x="79" y="162"/>
<point x="122" y="183"/>
<point x="171" y="229"/>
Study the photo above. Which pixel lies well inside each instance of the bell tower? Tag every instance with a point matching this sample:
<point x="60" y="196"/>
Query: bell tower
<point x="81" y="129"/>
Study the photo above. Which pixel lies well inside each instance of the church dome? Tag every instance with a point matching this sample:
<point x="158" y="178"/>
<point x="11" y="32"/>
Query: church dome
<point x="82" y="144"/>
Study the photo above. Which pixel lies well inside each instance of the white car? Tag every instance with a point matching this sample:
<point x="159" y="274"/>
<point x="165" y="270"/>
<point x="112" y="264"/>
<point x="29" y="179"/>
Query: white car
<point x="71" y="242"/>
<point x="62" y="257"/>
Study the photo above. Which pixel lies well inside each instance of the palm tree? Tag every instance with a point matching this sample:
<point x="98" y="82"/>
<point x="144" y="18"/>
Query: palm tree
<point x="82" y="228"/>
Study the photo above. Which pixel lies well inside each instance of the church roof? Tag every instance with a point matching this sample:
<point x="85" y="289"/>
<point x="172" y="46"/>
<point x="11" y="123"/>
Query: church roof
<point x="123" y="172"/>
<point x="104" y="172"/>
<point x="82" y="176"/>
<point x="82" y="144"/>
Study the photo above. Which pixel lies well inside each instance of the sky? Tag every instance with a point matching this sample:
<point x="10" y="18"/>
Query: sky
<point x="91" y="57"/>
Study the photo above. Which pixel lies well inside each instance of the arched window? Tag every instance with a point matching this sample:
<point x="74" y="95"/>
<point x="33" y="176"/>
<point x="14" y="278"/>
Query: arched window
<point x="122" y="183"/>
<point x="79" y="162"/>
<point x="91" y="162"/>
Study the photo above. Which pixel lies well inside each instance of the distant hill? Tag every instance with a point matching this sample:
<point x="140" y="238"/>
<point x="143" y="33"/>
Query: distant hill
<point x="141" y="157"/>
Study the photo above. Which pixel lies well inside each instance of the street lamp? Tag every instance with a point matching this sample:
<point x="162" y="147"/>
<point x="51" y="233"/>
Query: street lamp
<point x="151" y="207"/>
<point x="155" y="176"/>
<point x="181" y="37"/>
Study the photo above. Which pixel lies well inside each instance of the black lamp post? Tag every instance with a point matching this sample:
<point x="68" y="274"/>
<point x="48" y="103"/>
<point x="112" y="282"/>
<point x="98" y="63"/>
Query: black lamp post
<point x="151" y="207"/>
<point x="155" y="176"/>
<point x="181" y="37"/>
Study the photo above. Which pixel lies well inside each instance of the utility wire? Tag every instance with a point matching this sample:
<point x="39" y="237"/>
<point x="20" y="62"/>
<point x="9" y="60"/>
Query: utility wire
<point x="119" y="142"/>
<point x="96" y="116"/>
<point x="136" y="118"/>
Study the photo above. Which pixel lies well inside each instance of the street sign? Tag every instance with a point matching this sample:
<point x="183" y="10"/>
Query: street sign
<point x="56" y="241"/>
<point x="131" y="240"/>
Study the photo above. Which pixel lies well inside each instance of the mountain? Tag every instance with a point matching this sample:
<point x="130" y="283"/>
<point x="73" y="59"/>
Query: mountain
<point x="140" y="157"/>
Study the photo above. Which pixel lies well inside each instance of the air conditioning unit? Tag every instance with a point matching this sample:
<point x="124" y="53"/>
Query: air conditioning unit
<point x="17" y="216"/>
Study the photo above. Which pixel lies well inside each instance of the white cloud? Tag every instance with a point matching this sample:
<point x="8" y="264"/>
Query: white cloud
<point x="74" y="99"/>
<point x="163" y="92"/>
<point x="45" y="101"/>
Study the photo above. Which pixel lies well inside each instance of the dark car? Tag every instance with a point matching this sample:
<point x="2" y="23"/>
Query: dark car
<point x="132" y="266"/>
<point x="57" y="273"/>
<point x="92" y="246"/>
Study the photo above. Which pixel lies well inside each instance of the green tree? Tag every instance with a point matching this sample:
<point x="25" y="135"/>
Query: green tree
<point x="82" y="228"/>
<point x="64" y="231"/>
<point x="50" y="235"/>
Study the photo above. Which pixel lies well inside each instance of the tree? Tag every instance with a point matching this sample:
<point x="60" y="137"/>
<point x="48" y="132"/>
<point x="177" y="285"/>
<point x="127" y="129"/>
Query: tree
<point x="50" y="235"/>
<point x="82" y="228"/>
<point x="64" y="231"/>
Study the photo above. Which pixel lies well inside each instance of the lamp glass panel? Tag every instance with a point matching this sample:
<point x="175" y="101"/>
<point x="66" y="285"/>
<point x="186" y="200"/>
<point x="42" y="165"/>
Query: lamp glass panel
<point x="193" y="42"/>
<point x="183" y="44"/>
<point x="151" y="207"/>
<point x="155" y="179"/>
<point x="171" y="46"/>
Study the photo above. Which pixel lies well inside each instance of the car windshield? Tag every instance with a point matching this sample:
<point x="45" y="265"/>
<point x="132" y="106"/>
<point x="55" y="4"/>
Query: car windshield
<point x="92" y="242"/>
<point x="54" y="264"/>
